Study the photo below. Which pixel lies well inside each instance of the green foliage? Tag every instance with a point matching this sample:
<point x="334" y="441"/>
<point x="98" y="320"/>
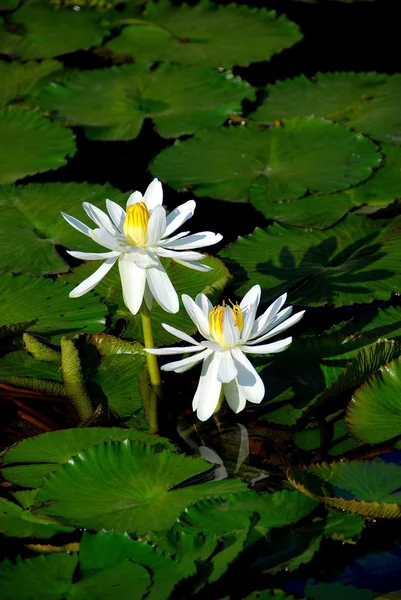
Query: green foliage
<point x="18" y="522"/>
<point x="24" y="81"/>
<point x="113" y="103"/>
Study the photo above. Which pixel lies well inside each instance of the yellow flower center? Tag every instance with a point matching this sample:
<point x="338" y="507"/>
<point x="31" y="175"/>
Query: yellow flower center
<point x="216" y="321"/>
<point x="136" y="224"/>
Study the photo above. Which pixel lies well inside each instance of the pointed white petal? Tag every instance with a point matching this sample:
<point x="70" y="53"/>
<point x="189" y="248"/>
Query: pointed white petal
<point x="92" y="255"/>
<point x="180" y="366"/>
<point x="162" y="289"/>
<point x="134" y="198"/>
<point x="280" y="328"/>
<point x="133" y="280"/>
<point x="227" y="369"/>
<point x="143" y="257"/>
<point x="248" y="379"/>
<point x="104" y="238"/>
<point x="194" y="265"/>
<point x="196" y="314"/>
<point x="173" y="350"/>
<point x="178" y="236"/>
<point x="272" y="348"/>
<point x="153" y="195"/>
<point x="268" y="315"/>
<point x="78" y="225"/>
<point x="235" y="398"/>
<point x="207" y="395"/>
<point x="117" y="214"/>
<point x="276" y="320"/>
<point x="204" y="304"/>
<point x="99" y="217"/>
<point x="156" y="225"/>
<point x="197" y="240"/>
<point x="180" y="334"/>
<point x="249" y="306"/>
<point x="230" y="330"/>
<point x="89" y="283"/>
<point x="179" y="215"/>
<point x="182" y="256"/>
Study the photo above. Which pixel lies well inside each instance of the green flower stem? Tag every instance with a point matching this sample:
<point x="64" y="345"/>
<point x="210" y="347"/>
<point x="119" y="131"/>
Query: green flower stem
<point x="153" y="368"/>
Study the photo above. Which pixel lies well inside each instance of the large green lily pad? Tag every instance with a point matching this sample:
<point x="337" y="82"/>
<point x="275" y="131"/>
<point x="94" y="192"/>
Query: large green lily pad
<point x="26" y="298"/>
<point x="383" y="322"/>
<point x="17" y="522"/>
<point x="185" y="281"/>
<point x="19" y="81"/>
<point x="31" y="219"/>
<point x="42" y="30"/>
<point x="194" y="34"/>
<point x="263" y="166"/>
<point x="355" y="261"/>
<point x="368" y="488"/>
<point x="125" y="486"/>
<point x="34" y="144"/>
<point x="367" y="102"/>
<point x="113" y="103"/>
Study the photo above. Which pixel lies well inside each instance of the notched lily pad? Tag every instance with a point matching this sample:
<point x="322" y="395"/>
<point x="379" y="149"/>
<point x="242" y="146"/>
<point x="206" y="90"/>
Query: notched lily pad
<point x="21" y="81"/>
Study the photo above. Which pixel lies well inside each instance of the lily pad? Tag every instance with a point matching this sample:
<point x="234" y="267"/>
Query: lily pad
<point x="333" y="591"/>
<point x="355" y="261"/>
<point x="17" y="522"/>
<point x="374" y="412"/>
<point x="34" y="144"/>
<point x="185" y="281"/>
<point x="113" y="103"/>
<point x="263" y="166"/>
<point x="368" y="488"/>
<point x="31" y="217"/>
<point x="331" y="436"/>
<point x="42" y="30"/>
<point x="19" y="81"/>
<point x="125" y="486"/>
<point x="57" y="314"/>
<point x="194" y="35"/>
<point x="383" y="322"/>
<point x="367" y="102"/>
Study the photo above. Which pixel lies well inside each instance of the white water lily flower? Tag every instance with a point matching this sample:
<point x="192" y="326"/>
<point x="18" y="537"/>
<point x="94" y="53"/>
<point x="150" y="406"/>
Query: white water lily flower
<point x="230" y="332"/>
<point x="137" y="239"/>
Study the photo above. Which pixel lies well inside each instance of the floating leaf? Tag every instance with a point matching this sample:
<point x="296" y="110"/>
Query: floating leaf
<point x="374" y="412"/>
<point x="57" y="314"/>
<point x="355" y="261"/>
<point x="31" y="460"/>
<point x="31" y="217"/>
<point x="332" y="436"/>
<point x="113" y="103"/>
<point x="343" y="526"/>
<point x="21" y="364"/>
<point x="366" y="102"/>
<point x="281" y="163"/>
<point x="368" y="488"/>
<point x="17" y="522"/>
<point x="42" y="30"/>
<point x="185" y="281"/>
<point x="384" y="323"/>
<point x="18" y="81"/>
<point x="333" y="591"/>
<point x="193" y="34"/>
<point x="34" y="144"/>
<point x="125" y="486"/>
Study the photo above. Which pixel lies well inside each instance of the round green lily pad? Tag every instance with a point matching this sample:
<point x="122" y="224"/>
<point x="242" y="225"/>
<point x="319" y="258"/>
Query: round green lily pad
<point x="367" y="102"/>
<point x="113" y="103"/>
<point x="17" y="80"/>
<point x="282" y="163"/>
<point x="34" y="144"/>
<point x="205" y="34"/>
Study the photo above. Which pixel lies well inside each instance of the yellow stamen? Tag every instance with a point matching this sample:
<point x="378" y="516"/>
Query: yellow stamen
<point x="216" y="321"/>
<point x="136" y="224"/>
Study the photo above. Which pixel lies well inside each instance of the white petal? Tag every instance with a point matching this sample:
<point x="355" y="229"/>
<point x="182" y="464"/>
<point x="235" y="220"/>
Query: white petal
<point x="89" y="283"/>
<point x="180" y="366"/>
<point x="117" y="214"/>
<point x="182" y="256"/>
<point x="180" y="334"/>
<point x="207" y="395"/>
<point x="178" y="236"/>
<point x="249" y="306"/>
<point x="156" y="225"/>
<point x="143" y="257"/>
<point x="153" y="195"/>
<point x="92" y="255"/>
<point x="99" y="217"/>
<point x="197" y="240"/>
<point x="133" y="280"/>
<point x="78" y="225"/>
<point x="276" y="320"/>
<point x="162" y="289"/>
<point x="230" y="330"/>
<point x="268" y="315"/>
<point x="227" y="370"/>
<point x="196" y="314"/>
<point x="204" y="304"/>
<point x="272" y="348"/>
<point x="134" y="198"/>
<point x="280" y="328"/>
<point x="248" y="379"/>
<point x="173" y="350"/>
<point x="235" y="398"/>
<point x="104" y="238"/>
<point x="179" y="215"/>
<point x="194" y="265"/>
